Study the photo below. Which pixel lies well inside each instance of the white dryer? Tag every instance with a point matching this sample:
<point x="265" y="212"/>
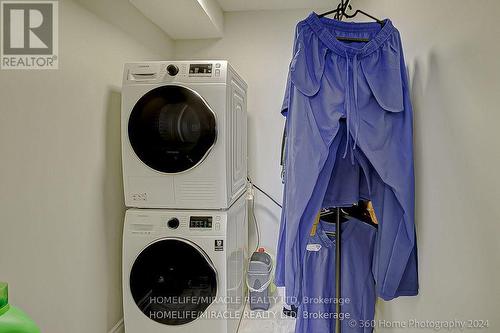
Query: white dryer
<point x="184" y="134"/>
<point x="183" y="271"/>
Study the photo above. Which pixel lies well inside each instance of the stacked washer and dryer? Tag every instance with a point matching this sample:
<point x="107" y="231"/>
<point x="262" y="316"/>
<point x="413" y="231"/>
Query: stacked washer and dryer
<point x="184" y="152"/>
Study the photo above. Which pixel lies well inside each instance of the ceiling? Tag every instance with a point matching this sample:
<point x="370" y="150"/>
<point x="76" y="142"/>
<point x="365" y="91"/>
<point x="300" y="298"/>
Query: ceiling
<point x="241" y="5"/>
<point x="184" y="19"/>
<point x="197" y="19"/>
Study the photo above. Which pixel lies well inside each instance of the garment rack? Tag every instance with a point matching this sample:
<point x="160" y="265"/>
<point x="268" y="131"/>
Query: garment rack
<point x="338" y="276"/>
<point x="340" y="13"/>
<point x="338" y="238"/>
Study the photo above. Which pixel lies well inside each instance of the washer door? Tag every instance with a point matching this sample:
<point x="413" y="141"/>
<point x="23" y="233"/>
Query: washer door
<point x="173" y="281"/>
<point x="172" y="129"/>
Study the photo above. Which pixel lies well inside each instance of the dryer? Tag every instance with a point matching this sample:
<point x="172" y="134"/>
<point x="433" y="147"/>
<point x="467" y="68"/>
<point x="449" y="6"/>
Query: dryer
<point x="183" y="271"/>
<point x="184" y="134"/>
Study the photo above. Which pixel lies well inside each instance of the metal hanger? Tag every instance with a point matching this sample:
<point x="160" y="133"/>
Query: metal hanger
<point x="341" y="12"/>
<point x="359" y="11"/>
<point x="329" y="215"/>
<point x="358" y="211"/>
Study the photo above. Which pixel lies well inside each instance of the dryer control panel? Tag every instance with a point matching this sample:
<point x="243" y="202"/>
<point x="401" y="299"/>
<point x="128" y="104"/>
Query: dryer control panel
<point x="201" y="70"/>
<point x="206" y="71"/>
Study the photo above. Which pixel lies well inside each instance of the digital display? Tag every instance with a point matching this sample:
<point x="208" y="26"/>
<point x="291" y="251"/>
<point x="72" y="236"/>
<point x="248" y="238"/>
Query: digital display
<point x="200" y="69"/>
<point x="202" y="222"/>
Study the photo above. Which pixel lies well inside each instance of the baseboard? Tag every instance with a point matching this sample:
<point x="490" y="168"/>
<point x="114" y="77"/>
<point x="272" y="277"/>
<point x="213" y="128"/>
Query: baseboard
<point x="118" y="328"/>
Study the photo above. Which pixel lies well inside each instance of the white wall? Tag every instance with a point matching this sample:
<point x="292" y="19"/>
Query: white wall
<point x="124" y="16"/>
<point x="452" y="55"/>
<point x="61" y="199"/>
<point x="258" y="44"/>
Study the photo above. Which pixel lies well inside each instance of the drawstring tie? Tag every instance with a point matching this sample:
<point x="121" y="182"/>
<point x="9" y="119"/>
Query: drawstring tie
<point x="348" y="106"/>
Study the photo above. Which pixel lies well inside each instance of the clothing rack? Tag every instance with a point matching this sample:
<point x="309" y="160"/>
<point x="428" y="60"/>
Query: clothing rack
<point x="340" y="11"/>
<point x="338" y="251"/>
<point x="338" y="293"/>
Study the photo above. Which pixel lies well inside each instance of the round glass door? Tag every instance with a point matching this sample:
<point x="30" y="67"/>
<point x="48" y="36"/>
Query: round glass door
<point x="172" y="129"/>
<point x="172" y="282"/>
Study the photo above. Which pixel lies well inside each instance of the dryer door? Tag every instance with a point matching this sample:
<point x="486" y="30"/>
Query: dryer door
<point x="173" y="281"/>
<point x="172" y="129"/>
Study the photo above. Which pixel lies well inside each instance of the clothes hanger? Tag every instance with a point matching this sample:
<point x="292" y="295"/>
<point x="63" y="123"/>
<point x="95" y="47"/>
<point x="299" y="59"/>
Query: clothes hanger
<point x="360" y="211"/>
<point x="340" y="12"/>
<point x="329" y="215"/>
<point x="359" y="11"/>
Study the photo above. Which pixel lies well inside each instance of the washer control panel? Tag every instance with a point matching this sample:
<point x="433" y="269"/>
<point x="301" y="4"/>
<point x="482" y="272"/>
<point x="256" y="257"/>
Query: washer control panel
<point x="193" y="223"/>
<point x="172" y="223"/>
<point x="201" y="222"/>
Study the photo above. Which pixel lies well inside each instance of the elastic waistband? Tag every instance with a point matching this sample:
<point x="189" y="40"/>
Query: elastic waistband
<point x="320" y="27"/>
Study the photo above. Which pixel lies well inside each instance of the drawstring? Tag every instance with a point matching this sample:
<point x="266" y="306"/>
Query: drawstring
<point x="355" y="65"/>
<point x="347" y="104"/>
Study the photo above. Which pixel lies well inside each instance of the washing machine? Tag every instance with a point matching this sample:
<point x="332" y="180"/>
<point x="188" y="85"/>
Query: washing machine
<point x="184" y="134"/>
<point x="183" y="270"/>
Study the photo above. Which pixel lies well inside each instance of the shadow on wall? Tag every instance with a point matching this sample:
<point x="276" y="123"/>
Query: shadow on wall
<point x="417" y="94"/>
<point x="114" y="207"/>
<point x="425" y="86"/>
<point x="425" y="91"/>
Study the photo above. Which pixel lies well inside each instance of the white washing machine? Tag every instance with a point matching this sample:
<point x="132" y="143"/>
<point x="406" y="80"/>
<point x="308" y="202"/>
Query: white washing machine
<point x="183" y="270"/>
<point x="184" y="134"/>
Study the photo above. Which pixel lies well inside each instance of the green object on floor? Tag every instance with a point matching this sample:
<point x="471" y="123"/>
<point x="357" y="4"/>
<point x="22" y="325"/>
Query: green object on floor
<point x="12" y="319"/>
<point x="4" y="295"/>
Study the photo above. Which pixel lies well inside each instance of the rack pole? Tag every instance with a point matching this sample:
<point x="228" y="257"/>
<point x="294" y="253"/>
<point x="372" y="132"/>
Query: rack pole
<point x="337" y="271"/>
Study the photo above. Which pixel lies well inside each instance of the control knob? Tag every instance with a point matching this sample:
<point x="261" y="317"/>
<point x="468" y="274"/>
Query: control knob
<point x="173" y="223"/>
<point x="172" y="70"/>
